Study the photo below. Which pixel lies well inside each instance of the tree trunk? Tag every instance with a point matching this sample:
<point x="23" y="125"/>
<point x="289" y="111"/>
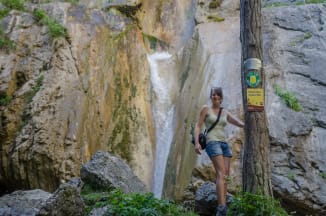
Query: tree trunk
<point x="256" y="163"/>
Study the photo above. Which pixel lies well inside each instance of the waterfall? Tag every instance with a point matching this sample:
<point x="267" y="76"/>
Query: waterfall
<point x="163" y="111"/>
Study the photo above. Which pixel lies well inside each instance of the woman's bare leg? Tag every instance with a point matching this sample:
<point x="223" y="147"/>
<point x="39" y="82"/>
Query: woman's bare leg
<point x="218" y="163"/>
<point x="227" y="173"/>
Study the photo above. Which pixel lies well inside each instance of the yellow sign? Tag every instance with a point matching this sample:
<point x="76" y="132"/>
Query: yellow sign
<point x="255" y="99"/>
<point x="253" y="79"/>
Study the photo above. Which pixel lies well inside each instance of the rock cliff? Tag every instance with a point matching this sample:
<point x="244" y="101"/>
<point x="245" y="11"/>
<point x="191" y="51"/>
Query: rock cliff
<point x="72" y="96"/>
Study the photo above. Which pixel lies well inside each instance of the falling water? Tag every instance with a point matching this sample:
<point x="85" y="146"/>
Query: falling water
<point x="163" y="111"/>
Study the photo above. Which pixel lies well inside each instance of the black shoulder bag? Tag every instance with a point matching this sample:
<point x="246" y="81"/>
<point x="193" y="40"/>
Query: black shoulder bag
<point x="202" y="136"/>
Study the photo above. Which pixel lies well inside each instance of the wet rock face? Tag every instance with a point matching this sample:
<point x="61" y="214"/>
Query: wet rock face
<point x="71" y="96"/>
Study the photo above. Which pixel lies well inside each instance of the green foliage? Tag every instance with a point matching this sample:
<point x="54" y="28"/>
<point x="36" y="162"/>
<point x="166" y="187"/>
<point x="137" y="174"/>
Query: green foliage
<point x="276" y="4"/>
<point x="282" y="4"/>
<point x="306" y="36"/>
<point x="40" y="15"/>
<point x="214" y="4"/>
<point x="323" y="175"/>
<point x="13" y="4"/>
<point x="153" y="41"/>
<point x="184" y="76"/>
<point x="26" y="116"/>
<point x="4" y="99"/>
<point x="55" y="28"/>
<point x="4" y="12"/>
<point x="72" y="1"/>
<point x="255" y="205"/>
<point x="314" y="1"/>
<point x="216" y="19"/>
<point x="95" y="200"/>
<point x="288" y="98"/>
<point x="30" y="95"/>
<point x="134" y="204"/>
<point x="291" y="176"/>
<point x="5" y="42"/>
<point x="133" y="90"/>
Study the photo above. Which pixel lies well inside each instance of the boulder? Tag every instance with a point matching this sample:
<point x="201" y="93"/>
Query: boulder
<point x="99" y="211"/>
<point x="206" y="199"/>
<point x="107" y="171"/>
<point x="66" y="200"/>
<point x="23" y="202"/>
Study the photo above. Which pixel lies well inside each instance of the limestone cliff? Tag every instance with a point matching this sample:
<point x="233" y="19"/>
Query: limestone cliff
<point x="73" y="96"/>
<point x="296" y="63"/>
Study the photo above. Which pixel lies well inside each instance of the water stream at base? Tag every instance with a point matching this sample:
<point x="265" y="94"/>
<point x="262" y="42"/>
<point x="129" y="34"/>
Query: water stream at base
<point x="163" y="111"/>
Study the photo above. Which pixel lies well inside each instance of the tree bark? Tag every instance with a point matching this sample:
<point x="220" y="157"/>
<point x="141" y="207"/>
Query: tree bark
<point x="256" y="162"/>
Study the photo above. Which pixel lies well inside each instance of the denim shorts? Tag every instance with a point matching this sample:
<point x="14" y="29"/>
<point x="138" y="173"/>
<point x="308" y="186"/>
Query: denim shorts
<point x="214" y="148"/>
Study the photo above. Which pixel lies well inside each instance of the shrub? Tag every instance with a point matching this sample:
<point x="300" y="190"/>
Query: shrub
<point x="4" y="12"/>
<point x="255" y="205"/>
<point x="216" y="18"/>
<point x="323" y="175"/>
<point x="55" y="28"/>
<point x="5" y="42"/>
<point x="4" y="99"/>
<point x="72" y="1"/>
<point x="30" y="95"/>
<point x="315" y="1"/>
<point x="14" y="4"/>
<point x="134" y="204"/>
<point x="289" y="99"/>
<point x="214" y="4"/>
<point x="39" y="15"/>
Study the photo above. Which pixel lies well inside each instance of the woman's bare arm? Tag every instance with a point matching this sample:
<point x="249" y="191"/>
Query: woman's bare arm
<point x="234" y="120"/>
<point x="198" y="126"/>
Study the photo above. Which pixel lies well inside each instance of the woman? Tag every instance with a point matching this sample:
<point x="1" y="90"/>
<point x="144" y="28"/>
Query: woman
<point x="217" y="149"/>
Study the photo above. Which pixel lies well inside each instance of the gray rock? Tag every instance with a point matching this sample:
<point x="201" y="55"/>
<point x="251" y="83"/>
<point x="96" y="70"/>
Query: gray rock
<point x="23" y="203"/>
<point x="107" y="171"/>
<point x="206" y="199"/>
<point x="296" y="63"/>
<point x="98" y="211"/>
<point x="66" y="200"/>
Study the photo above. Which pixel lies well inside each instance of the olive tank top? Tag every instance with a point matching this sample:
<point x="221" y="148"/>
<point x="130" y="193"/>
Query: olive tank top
<point x="217" y="133"/>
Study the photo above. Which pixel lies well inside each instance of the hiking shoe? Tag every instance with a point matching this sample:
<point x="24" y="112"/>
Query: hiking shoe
<point x="221" y="210"/>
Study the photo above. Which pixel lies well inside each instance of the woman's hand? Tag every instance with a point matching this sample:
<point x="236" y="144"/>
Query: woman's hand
<point x="198" y="148"/>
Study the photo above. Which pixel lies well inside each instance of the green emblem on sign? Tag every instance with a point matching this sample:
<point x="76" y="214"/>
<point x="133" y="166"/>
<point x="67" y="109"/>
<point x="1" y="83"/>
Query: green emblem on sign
<point x="253" y="79"/>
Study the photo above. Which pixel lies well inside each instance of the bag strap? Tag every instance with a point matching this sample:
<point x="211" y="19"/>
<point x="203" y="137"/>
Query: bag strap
<point x="215" y="123"/>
